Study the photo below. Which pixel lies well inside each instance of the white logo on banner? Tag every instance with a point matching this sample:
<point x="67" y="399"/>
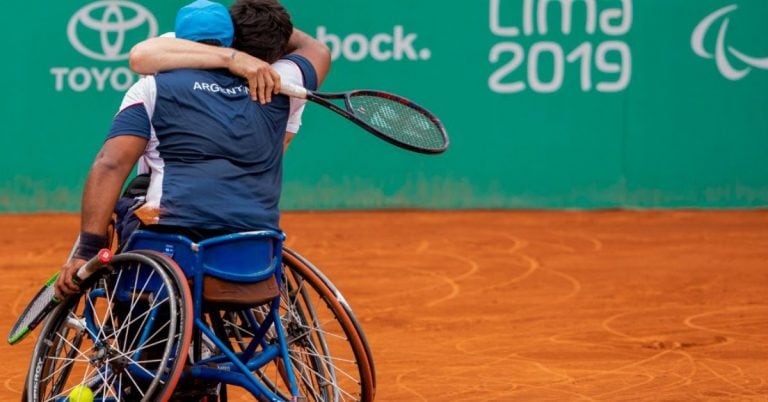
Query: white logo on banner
<point x="108" y="22"/>
<point x="111" y="27"/>
<point x="398" y="45"/>
<point x="532" y="57"/>
<point x="721" y="57"/>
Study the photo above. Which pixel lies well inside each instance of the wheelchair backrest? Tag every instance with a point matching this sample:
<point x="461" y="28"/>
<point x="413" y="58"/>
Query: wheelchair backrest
<point x="238" y="257"/>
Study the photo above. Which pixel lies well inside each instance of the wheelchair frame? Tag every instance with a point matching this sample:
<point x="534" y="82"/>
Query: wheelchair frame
<point x="269" y="338"/>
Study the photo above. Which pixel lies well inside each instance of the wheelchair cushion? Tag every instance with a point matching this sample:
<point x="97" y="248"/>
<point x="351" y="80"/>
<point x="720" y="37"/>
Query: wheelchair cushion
<point x="220" y="291"/>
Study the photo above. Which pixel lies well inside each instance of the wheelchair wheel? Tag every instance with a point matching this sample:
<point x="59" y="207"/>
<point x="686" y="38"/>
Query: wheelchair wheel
<point x="330" y="357"/>
<point x="126" y="337"/>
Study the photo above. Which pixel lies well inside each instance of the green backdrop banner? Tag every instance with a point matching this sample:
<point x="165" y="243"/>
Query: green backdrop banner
<point x="549" y="103"/>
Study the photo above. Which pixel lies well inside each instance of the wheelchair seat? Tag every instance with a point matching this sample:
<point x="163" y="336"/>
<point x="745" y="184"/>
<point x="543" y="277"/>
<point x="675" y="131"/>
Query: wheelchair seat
<point x="236" y="269"/>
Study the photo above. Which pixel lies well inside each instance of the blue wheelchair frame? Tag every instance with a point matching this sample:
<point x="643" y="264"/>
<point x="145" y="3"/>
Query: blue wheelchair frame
<point x="242" y="257"/>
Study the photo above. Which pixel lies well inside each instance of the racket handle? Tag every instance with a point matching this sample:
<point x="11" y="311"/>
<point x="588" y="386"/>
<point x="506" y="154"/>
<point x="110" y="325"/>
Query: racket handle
<point x="293" y="90"/>
<point x="84" y="272"/>
<point x="94" y="264"/>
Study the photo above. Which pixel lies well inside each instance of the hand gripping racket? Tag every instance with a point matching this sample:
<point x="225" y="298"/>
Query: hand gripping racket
<point x="390" y="117"/>
<point x="45" y="300"/>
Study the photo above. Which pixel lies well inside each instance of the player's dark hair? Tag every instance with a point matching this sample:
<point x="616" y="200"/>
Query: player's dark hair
<point x="262" y="28"/>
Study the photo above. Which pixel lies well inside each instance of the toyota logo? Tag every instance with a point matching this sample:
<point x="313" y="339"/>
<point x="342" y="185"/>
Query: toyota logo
<point x="110" y="20"/>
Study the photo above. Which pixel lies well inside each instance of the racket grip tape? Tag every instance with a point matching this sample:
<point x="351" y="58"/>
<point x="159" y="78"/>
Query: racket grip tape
<point x="293" y="90"/>
<point x="102" y="258"/>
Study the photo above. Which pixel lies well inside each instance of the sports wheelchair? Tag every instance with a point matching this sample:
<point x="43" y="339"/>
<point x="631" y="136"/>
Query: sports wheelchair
<point x="169" y="319"/>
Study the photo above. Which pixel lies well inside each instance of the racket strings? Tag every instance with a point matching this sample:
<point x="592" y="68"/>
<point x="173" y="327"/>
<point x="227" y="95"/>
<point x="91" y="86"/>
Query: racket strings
<point x="399" y="121"/>
<point x="33" y="310"/>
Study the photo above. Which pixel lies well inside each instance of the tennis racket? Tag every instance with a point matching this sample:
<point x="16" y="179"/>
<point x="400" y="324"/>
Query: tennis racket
<point x="45" y="300"/>
<point x="390" y="117"/>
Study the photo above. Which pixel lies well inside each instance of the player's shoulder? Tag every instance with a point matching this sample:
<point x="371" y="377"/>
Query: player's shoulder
<point x="297" y="69"/>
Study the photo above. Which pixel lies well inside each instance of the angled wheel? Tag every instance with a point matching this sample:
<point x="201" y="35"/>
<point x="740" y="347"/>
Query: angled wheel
<point x="330" y="357"/>
<point x="322" y="327"/>
<point x="126" y="337"/>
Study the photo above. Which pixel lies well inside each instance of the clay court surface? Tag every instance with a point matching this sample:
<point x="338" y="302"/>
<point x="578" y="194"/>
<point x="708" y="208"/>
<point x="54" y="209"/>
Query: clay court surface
<point x="511" y="306"/>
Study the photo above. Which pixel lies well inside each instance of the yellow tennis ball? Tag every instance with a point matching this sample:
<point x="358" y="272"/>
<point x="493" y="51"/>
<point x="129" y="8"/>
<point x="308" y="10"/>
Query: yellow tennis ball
<point x="81" y="393"/>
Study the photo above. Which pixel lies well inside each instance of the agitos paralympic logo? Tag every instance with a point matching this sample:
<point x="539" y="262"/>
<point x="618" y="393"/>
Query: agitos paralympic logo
<point x="723" y="58"/>
<point x="104" y="31"/>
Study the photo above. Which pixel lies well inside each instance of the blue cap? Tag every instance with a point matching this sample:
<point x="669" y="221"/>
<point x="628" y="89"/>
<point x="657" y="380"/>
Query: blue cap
<point x="205" y="20"/>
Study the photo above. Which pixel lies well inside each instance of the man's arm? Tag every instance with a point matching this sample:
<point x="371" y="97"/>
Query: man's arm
<point x="318" y="55"/>
<point x="313" y="50"/>
<point x="287" y="141"/>
<point x="162" y="54"/>
<point x="112" y="166"/>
